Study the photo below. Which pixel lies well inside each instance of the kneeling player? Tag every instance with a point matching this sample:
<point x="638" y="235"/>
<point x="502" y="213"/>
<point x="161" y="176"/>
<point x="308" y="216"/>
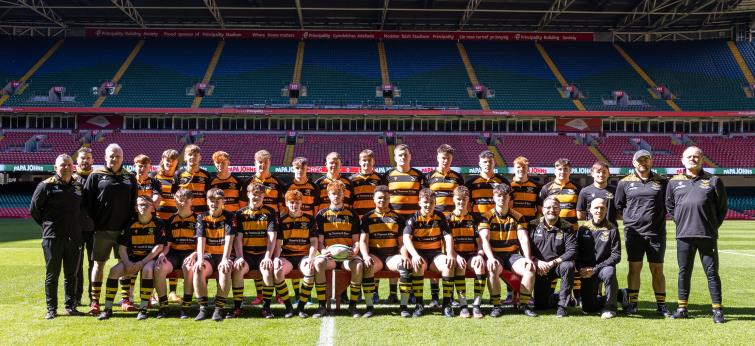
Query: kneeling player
<point x="503" y="232"/>
<point x="381" y="245"/>
<point x="254" y="249"/>
<point x="179" y="253"/>
<point x="138" y="246"/>
<point x="469" y="254"/>
<point x="297" y="248"/>
<point x="598" y="253"/>
<point x="214" y="242"/>
<point x="424" y="235"/>
<point x="339" y="225"/>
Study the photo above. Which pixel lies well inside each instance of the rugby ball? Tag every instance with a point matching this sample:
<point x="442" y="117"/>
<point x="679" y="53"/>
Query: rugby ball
<point x="339" y="252"/>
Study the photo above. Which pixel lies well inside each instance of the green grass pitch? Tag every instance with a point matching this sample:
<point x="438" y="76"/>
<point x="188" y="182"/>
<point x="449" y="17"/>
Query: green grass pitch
<point x="22" y="309"/>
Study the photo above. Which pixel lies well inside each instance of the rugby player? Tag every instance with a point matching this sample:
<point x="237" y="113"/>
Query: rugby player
<point x="166" y="206"/>
<point x="193" y="177"/>
<point x="333" y="168"/>
<point x="481" y="186"/>
<point x="599" y="189"/>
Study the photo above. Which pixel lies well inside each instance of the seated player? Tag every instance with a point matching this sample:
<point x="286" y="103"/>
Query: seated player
<point x="381" y="245"/>
<point x="138" y="246"/>
<point x="254" y="248"/>
<point x="598" y="253"/>
<point x="553" y="247"/>
<point x="340" y="225"/>
<point x="424" y="235"/>
<point x="179" y="252"/>
<point x="503" y="233"/>
<point x="469" y="254"/>
<point x="297" y="248"/>
<point x="215" y="235"/>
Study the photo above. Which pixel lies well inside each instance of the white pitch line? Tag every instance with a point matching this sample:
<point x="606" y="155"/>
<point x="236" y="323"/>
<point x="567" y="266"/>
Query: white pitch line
<point x="327" y="331"/>
<point x="736" y="253"/>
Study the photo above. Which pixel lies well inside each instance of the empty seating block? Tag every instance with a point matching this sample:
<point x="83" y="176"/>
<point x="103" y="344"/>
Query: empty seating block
<point x="424" y="149"/>
<point x="136" y="143"/>
<point x="316" y="146"/>
<point x="52" y="145"/>
<point x="728" y="152"/>
<point x="543" y="151"/>
<point x="18" y="55"/>
<point x="241" y="147"/>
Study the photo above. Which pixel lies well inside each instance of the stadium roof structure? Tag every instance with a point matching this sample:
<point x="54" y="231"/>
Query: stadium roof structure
<point x="57" y="17"/>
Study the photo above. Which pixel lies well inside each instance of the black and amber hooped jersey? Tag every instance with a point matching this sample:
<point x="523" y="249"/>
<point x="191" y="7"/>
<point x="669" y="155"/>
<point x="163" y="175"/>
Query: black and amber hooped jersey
<point x="322" y="184"/>
<point x="481" y="192"/>
<point x="464" y="231"/>
<point x="231" y="187"/>
<point x="273" y="188"/>
<point x="310" y="197"/>
<point x="567" y="195"/>
<point x="140" y="238"/>
<point x="295" y="233"/>
<point x="147" y="188"/>
<point x="214" y="229"/>
<point x="443" y="185"/>
<point x="363" y="186"/>
<point x="168" y="187"/>
<point x="253" y="226"/>
<point x="383" y="230"/>
<point x="337" y="226"/>
<point x="180" y="232"/>
<point x="427" y="231"/>
<point x="503" y="230"/>
<point x="198" y="182"/>
<point x="405" y="187"/>
<point x="526" y="197"/>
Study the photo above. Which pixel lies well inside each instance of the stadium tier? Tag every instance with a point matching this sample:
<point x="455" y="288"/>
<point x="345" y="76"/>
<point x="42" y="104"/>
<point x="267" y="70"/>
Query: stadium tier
<point x="517" y="73"/>
<point x="19" y="55"/>
<point x="14" y="205"/>
<point x="241" y="147"/>
<point x="619" y="149"/>
<point x="429" y="74"/>
<point x="252" y="72"/>
<point x="702" y="75"/>
<point x="728" y="152"/>
<point x="316" y="146"/>
<point x="341" y="73"/>
<point x="598" y="70"/>
<point x="135" y="143"/>
<point x="424" y="149"/>
<point x="544" y="150"/>
<point x="22" y="147"/>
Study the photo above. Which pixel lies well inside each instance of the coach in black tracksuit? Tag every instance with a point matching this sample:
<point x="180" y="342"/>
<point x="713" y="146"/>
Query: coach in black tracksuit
<point x="697" y="202"/>
<point x="55" y="206"/>
<point x="554" y="245"/>
<point x="598" y="253"/>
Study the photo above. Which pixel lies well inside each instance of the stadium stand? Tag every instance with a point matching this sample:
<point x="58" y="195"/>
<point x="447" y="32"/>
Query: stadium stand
<point x="24" y="53"/>
<point x="162" y="72"/>
<point x="36" y="147"/>
<point x="518" y="75"/>
<point x="78" y="65"/>
<point x="151" y="144"/>
<point x="727" y="152"/>
<point x="703" y="75"/>
<point x="439" y="82"/>
<point x="242" y="146"/>
<point x="315" y="146"/>
<point x="551" y="148"/>
<point x="14" y="205"/>
<point x="341" y="73"/>
<point x="424" y="148"/>
<point x="252" y="73"/>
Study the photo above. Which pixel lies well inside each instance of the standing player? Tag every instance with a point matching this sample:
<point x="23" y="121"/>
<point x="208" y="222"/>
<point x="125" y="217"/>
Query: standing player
<point x="697" y="202"/>
<point x="598" y="253"/>
<point x="297" y="247"/>
<point x="178" y="253"/>
<point x="443" y="180"/>
<point x="338" y="224"/>
<point x="481" y="186"/>
<point x="469" y="254"/>
<point x="640" y="198"/>
<point x="333" y="167"/>
<point x="166" y="207"/>
<point x="525" y="199"/>
<point x="309" y="191"/>
<point x="215" y="235"/>
<point x="381" y="245"/>
<point x="139" y="244"/>
<point x="424" y="235"/>
<point x="148" y="186"/>
<point x="503" y="234"/>
<point x="84" y="161"/>
<point x="225" y="181"/>
<point x="598" y="189"/>
<point x="254" y="249"/>
<point x="194" y="178"/>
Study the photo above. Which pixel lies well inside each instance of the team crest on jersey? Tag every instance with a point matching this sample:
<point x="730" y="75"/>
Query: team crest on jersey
<point x="603" y="236"/>
<point x="655" y="185"/>
<point x="470" y="224"/>
<point x="305" y="225"/>
<point x="559" y="235"/>
<point x="530" y="189"/>
<point x="232" y="186"/>
<point x="609" y="195"/>
<point x="705" y="184"/>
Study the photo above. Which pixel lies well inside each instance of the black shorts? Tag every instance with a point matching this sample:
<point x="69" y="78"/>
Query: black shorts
<point x="295" y="260"/>
<point x="213" y="260"/>
<point x="429" y="256"/>
<point x="507" y="259"/>
<point x="253" y="261"/>
<point x="176" y="258"/>
<point x="639" y="245"/>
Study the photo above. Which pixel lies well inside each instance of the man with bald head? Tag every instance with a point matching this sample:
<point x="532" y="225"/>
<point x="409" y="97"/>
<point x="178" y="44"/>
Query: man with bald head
<point x="598" y="253"/>
<point x="696" y="201"/>
<point x="110" y="199"/>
